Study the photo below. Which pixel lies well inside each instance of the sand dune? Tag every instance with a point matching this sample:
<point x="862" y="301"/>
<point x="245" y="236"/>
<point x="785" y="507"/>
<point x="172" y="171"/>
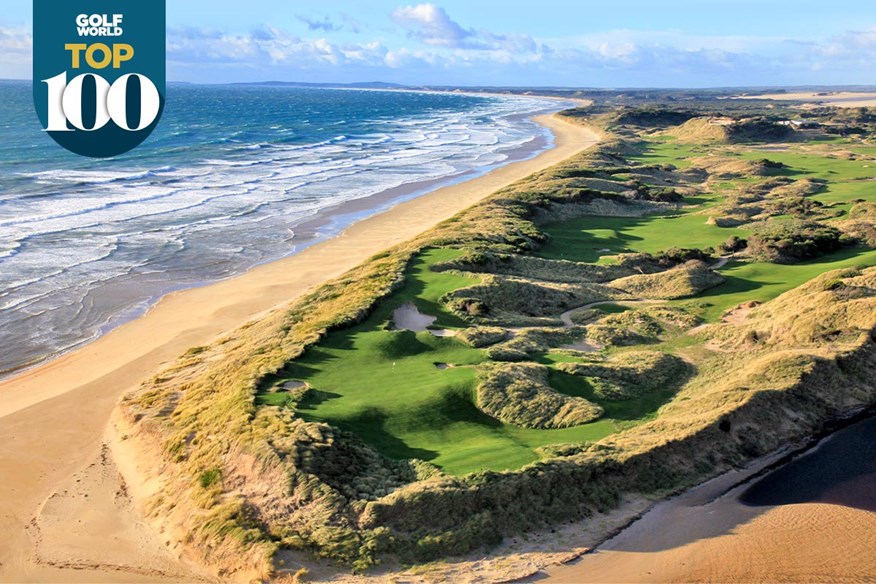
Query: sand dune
<point x="52" y="418"/>
<point x="834" y="98"/>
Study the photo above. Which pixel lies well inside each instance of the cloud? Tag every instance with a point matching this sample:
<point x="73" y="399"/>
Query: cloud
<point x="433" y="48"/>
<point x="858" y="44"/>
<point x="326" y="24"/>
<point x="316" y="24"/>
<point x="16" y="46"/>
<point x="432" y="25"/>
<point x="267" y="53"/>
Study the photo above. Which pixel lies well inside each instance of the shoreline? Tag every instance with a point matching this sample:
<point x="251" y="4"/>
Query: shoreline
<point x="704" y="525"/>
<point x="310" y="230"/>
<point x="570" y="552"/>
<point x="53" y="416"/>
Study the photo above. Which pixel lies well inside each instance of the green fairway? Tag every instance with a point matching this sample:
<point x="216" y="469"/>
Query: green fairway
<point x="760" y="281"/>
<point x="847" y="180"/>
<point x="412" y="395"/>
<point x="586" y="239"/>
<point x="666" y="150"/>
<point x="386" y="387"/>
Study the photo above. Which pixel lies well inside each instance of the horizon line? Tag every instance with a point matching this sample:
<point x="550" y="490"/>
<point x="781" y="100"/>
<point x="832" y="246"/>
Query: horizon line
<point x="392" y="85"/>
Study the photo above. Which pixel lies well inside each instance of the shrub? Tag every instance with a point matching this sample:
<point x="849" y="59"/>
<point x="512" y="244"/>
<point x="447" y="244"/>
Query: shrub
<point x="733" y="244"/>
<point x="209" y="477"/>
<point x="785" y="242"/>
<point x="630" y="375"/>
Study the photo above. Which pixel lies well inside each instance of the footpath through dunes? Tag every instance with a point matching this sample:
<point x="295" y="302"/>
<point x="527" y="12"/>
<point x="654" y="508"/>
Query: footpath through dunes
<point x="397" y="443"/>
<point x="52" y="418"/>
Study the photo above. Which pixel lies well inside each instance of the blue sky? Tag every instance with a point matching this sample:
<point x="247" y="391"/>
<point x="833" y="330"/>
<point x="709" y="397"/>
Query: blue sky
<point x="621" y="43"/>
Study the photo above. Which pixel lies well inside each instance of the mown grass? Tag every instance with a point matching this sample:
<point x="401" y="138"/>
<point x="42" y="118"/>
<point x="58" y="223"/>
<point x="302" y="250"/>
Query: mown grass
<point x="582" y="239"/>
<point x="385" y="387"/>
<point x="667" y="150"/>
<point x="761" y="281"/>
<point x="846" y="179"/>
<point x="340" y="500"/>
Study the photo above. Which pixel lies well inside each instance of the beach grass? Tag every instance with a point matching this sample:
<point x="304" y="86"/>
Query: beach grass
<point x="676" y="401"/>
<point x="762" y="281"/>
<point x="386" y="387"/>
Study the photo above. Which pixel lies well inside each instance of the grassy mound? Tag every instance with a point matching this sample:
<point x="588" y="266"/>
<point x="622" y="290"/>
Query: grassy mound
<point x="499" y="295"/>
<point x="631" y="374"/>
<point x="712" y="130"/>
<point x="861" y="224"/>
<point x="631" y="327"/>
<point x="724" y="168"/>
<point x="784" y="242"/>
<point x="519" y="394"/>
<point x="700" y="130"/>
<point x="534" y="340"/>
<point x="559" y="271"/>
<point x="688" y="279"/>
<point x="482" y="336"/>
<point x="723" y="416"/>
<point x="798" y="188"/>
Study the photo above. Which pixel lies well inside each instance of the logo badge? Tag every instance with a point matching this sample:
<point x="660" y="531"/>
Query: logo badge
<point x="99" y="74"/>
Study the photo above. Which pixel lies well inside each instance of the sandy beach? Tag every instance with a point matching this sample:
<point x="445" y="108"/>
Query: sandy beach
<point x="64" y="514"/>
<point x="834" y="98"/>
<point x="811" y="520"/>
<point x="725" y="541"/>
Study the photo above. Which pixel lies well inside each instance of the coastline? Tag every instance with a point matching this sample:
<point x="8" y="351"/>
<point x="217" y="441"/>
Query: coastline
<point x="53" y="416"/>
<point x="699" y="526"/>
<point x="308" y="229"/>
<point x="710" y="533"/>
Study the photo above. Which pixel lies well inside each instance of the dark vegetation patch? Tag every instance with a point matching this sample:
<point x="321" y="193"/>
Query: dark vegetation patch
<point x="792" y="241"/>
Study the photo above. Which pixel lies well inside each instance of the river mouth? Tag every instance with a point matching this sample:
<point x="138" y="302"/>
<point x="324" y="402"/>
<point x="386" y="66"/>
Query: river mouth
<point x="840" y="471"/>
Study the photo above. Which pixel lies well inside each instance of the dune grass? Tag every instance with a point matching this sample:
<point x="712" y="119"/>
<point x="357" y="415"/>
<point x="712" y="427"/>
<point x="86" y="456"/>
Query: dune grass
<point x="247" y="480"/>
<point x="586" y="238"/>
<point x="386" y="387"/>
<point x="761" y="281"/>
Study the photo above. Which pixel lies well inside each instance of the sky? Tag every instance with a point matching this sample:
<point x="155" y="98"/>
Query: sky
<point x="583" y="43"/>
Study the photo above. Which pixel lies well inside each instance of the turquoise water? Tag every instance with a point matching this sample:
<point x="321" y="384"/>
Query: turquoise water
<point x="234" y="176"/>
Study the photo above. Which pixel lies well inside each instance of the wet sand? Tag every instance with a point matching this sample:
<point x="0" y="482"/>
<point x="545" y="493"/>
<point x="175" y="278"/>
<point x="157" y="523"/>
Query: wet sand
<point x="811" y="520"/>
<point x="52" y="418"/>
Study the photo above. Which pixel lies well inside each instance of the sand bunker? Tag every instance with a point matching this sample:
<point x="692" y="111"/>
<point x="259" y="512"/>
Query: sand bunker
<point x="409" y="317"/>
<point x="293" y="385"/>
<point x="582" y="346"/>
<point x="738" y="314"/>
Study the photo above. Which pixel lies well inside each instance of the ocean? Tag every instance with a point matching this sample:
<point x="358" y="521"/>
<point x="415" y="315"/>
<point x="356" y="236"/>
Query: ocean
<point x="234" y="176"/>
